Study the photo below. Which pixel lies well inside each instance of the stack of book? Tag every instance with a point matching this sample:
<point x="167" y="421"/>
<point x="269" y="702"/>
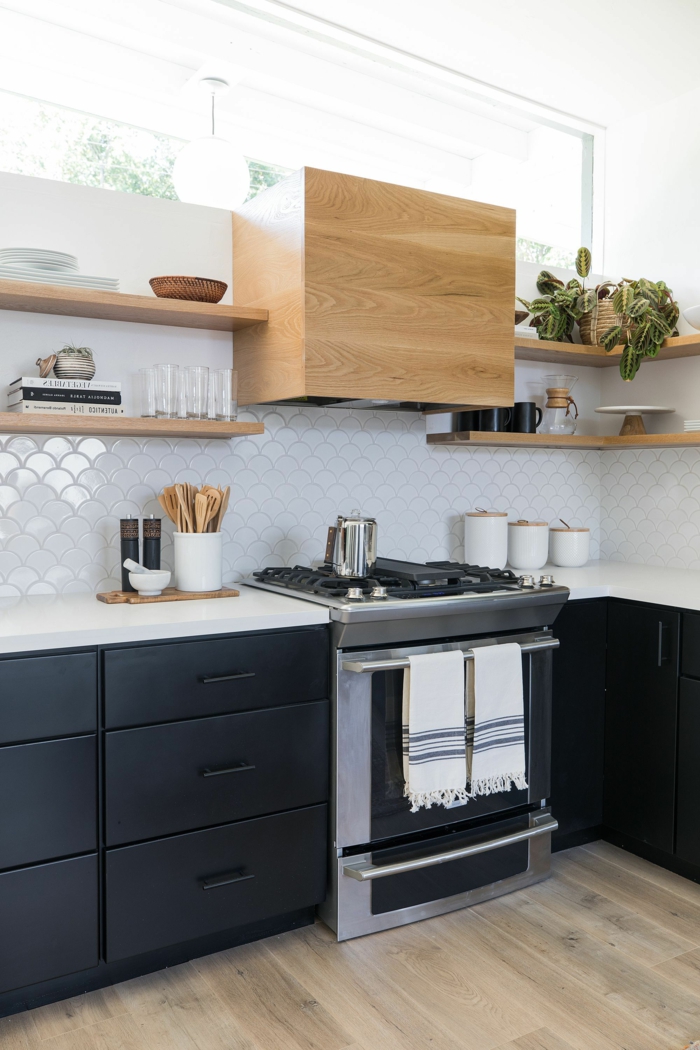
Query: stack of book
<point x="70" y="397"/>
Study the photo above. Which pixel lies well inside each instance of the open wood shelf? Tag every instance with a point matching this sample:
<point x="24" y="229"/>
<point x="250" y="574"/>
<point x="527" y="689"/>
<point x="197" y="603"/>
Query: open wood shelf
<point x="475" y="438"/>
<point x="118" y="306"/>
<point x="569" y="354"/>
<point x="123" y="426"/>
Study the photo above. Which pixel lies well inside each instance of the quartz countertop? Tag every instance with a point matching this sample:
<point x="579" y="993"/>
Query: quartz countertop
<point x="43" y="621"/>
<point x="677" y="588"/>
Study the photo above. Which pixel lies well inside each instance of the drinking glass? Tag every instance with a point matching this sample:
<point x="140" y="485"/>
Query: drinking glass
<point x="147" y="391"/>
<point x="166" y="391"/>
<point x="197" y="387"/>
<point x="225" y="383"/>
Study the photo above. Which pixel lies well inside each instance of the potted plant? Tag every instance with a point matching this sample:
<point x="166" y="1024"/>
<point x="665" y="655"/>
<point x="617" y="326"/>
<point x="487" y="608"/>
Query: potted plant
<point x="647" y="314"/>
<point x="559" y="306"/>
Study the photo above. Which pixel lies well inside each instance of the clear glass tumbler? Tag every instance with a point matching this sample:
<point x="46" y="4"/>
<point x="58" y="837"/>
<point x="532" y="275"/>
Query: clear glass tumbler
<point x="225" y="383"/>
<point x="197" y="390"/>
<point x="147" y="391"/>
<point x="166" y="391"/>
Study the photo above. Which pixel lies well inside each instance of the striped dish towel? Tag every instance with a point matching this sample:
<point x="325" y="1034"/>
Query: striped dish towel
<point x="434" y="738"/>
<point x="495" y="720"/>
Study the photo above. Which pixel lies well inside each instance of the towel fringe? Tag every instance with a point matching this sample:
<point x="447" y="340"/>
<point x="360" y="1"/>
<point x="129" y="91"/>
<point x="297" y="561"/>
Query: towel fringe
<point x="441" y="797"/>
<point x="502" y="782"/>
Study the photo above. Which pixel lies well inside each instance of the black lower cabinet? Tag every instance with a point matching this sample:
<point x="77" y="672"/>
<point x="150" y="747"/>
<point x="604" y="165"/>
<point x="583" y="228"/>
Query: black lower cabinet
<point x="688" y="801"/>
<point x="184" y="887"/>
<point x="641" y="723"/>
<point x="48" y="921"/>
<point x="578" y="722"/>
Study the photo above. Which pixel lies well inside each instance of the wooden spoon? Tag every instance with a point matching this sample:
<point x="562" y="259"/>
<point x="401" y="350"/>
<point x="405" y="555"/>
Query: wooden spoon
<point x="200" y="509"/>
<point x="222" y="509"/>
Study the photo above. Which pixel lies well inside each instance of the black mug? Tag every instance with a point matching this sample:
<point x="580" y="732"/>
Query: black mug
<point x="467" y="421"/>
<point x="494" y="419"/>
<point x="526" y="417"/>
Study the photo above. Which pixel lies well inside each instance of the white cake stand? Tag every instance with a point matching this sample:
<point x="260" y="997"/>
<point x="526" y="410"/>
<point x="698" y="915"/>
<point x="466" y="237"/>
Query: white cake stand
<point x="633" y="422"/>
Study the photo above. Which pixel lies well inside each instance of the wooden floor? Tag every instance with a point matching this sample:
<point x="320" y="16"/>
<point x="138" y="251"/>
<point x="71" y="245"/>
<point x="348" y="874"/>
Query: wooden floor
<point x="604" y="955"/>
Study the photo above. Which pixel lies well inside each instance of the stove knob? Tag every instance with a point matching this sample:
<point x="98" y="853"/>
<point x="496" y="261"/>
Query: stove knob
<point x="355" y="593"/>
<point x="526" y="580"/>
<point x="379" y="592"/>
<point x="547" y="580"/>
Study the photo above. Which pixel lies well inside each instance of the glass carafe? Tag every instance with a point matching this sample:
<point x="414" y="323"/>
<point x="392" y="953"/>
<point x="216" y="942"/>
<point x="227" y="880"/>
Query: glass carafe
<point x="560" y="412"/>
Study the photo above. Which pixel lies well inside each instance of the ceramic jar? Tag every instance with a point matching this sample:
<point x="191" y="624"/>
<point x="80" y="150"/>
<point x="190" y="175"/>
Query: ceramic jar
<point x="569" y="547"/>
<point x="528" y="544"/>
<point x="198" y="560"/>
<point x="486" y="538"/>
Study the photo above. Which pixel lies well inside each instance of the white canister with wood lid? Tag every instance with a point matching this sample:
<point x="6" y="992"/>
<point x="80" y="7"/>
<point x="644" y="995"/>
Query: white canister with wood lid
<point x="486" y="538"/>
<point x="569" y="546"/>
<point x="528" y="544"/>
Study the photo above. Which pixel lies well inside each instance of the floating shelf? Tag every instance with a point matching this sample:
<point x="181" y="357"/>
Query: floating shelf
<point x="569" y="354"/>
<point x="475" y="438"/>
<point x="118" y="306"/>
<point x="123" y="426"/>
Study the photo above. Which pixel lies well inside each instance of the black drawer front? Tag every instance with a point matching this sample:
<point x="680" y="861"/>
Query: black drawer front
<point x="688" y="782"/>
<point x="164" y="683"/>
<point x="690" y="652"/>
<point x="46" y="696"/>
<point x="455" y="876"/>
<point x="186" y="775"/>
<point x="48" y="800"/>
<point x="165" y="892"/>
<point x="48" y="918"/>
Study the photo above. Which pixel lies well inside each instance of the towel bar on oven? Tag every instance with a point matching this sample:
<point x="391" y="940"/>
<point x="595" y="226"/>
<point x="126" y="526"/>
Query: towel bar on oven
<point x="367" y="666"/>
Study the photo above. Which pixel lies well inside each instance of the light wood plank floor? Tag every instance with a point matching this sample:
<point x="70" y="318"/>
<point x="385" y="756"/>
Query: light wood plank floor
<point x="603" y="956"/>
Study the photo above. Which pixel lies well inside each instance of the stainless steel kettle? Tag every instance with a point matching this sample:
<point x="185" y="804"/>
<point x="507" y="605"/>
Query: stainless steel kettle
<point x="352" y="546"/>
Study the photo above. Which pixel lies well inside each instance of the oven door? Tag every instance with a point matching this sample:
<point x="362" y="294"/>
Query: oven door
<point x="369" y="800"/>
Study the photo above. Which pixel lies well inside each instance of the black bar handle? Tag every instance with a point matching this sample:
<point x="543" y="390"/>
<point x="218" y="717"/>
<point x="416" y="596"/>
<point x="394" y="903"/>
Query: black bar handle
<point x="208" y="679"/>
<point x="661" y="659"/>
<point x="225" y="880"/>
<point x="222" y="770"/>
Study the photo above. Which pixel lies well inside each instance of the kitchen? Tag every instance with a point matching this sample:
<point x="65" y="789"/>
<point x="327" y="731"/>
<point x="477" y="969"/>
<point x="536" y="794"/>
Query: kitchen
<point x="205" y="839"/>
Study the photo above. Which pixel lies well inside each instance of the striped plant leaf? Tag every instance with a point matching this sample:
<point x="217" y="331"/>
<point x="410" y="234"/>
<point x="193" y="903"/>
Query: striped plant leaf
<point x="623" y="298"/>
<point x="574" y="286"/>
<point x="587" y="301"/>
<point x="547" y="283"/>
<point x="629" y="364"/>
<point x="583" y="262"/>
<point x="659" y="322"/>
<point x="638" y="308"/>
<point x="610" y="338"/>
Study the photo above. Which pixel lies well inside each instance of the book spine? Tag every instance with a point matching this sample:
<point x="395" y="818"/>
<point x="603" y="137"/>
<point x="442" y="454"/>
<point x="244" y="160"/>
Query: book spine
<point x="65" y="384"/>
<point x="88" y="397"/>
<point x="64" y="409"/>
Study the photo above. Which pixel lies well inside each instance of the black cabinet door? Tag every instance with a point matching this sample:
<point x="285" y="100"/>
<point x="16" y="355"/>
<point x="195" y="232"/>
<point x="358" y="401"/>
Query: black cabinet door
<point x="48" y="800"/>
<point x="578" y="716"/>
<point x="165" y="683"/>
<point x="688" y="797"/>
<point x="186" y="775"/>
<point x="187" y="886"/>
<point x="640" y="722"/>
<point x="45" y="696"/>
<point x="48" y="919"/>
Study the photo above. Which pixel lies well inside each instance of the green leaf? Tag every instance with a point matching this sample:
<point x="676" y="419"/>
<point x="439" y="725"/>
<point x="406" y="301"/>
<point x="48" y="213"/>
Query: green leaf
<point x="629" y="364"/>
<point x="583" y="262"/>
<point x="587" y="301"/>
<point x="659" y="322"/>
<point x="610" y="338"/>
<point x="574" y="286"/>
<point x="524" y="302"/>
<point x="540" y="304"/>
<point x="547" y="283"/>
<point x="638" y="308"/>
<point x="623" y="299"/>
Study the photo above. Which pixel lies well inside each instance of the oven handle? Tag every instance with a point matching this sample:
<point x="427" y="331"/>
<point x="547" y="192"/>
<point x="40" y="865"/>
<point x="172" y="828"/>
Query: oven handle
<point x="363" y="666"/>
<point x="363" y="871"/>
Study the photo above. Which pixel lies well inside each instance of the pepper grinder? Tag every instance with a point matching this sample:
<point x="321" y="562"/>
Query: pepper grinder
<point x="151" y="542"/>
<point x="129" y="533"/>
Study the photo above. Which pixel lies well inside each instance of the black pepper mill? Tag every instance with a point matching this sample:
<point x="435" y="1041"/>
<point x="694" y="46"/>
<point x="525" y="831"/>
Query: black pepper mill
<point x="151" y="543"/>
<point x="129" y="532"/>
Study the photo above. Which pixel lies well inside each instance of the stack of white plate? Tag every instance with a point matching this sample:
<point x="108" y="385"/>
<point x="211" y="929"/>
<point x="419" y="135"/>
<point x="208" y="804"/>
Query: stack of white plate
<point x="689" y="425"/>
<point x="47" y="267"/>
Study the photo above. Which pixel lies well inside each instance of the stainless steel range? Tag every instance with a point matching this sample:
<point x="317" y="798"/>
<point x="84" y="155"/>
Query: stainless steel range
<point x="390" y="866"/>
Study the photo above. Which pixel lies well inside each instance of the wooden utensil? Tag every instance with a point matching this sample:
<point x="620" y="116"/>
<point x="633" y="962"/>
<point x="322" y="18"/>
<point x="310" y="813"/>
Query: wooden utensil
<point x="201" y="504"/>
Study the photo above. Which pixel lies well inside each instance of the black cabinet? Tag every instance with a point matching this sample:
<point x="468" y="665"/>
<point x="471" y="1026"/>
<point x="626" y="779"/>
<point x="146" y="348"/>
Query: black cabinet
<point x="187" y="886"/>
<point x="578" y="720"/>
<point x="48" y="919"/>
<point x="47" y="696"/>
<point x="688" y="802"/>
<point x="641" y="722"/>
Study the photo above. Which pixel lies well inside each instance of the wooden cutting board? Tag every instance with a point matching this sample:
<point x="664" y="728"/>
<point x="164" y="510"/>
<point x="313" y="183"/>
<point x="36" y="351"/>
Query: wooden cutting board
<point x="170" y="594"/>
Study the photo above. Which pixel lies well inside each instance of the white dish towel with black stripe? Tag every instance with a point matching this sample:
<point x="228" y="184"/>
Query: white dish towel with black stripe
<point x="434" y="737"/>
<point x="495" y="720"/>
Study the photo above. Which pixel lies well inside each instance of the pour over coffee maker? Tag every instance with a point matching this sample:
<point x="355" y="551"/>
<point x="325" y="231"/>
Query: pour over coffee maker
<point x="560" y="412"/>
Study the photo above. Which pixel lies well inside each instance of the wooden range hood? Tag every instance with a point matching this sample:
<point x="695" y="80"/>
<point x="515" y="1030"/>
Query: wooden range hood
<point x="374" y="291"/>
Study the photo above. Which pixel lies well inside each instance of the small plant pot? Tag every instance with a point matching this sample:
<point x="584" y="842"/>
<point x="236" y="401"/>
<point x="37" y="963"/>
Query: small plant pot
<point x="73" y="366"/>
<point x="198" y="561"/>
<point x="596" y="323"/>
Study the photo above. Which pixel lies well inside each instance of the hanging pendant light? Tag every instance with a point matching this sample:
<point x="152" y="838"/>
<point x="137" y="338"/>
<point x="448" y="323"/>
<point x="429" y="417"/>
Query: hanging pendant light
<point x="211" y="170"/>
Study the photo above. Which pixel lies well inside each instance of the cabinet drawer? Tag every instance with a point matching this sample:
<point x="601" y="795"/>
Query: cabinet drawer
<point x="688" y="782"/>
<point x="48" y="918"/>
<point x="48" y="798"/>
<point x="186" y="775"/>
<point x="165" y="683"/>
<point x="690" y="652"/>
<point x="188" y="886"/>
<point x="46" y="696"/>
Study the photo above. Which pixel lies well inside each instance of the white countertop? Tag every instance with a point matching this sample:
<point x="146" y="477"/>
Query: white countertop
<point x="62" y="621"/>
<point x="677" y="588"/>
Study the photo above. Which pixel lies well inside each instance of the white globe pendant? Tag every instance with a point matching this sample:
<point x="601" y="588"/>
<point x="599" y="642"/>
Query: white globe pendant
<point x="211" y="171"/>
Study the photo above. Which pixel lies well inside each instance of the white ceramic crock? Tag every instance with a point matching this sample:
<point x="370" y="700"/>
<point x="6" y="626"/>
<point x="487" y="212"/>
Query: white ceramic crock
<point x="569" y="547"/>
<point x="486" y="538"/>
<point x="528" y="544"/>
<point x="198" y="560"/>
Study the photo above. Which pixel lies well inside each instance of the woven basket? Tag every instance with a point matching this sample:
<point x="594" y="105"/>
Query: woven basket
<point x="196" y="289"/>
<point x="597" y="322"/>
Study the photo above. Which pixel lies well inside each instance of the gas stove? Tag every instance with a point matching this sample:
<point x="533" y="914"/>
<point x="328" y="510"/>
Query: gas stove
<point x="439" y="597"/>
